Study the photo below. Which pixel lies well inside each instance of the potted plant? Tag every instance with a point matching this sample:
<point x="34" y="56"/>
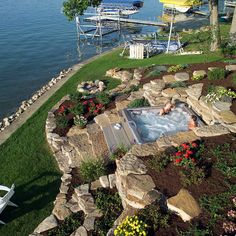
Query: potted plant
<point x="80" y="121"/>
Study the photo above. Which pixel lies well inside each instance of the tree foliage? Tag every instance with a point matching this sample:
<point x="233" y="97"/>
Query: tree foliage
<point x="72" y="8"/>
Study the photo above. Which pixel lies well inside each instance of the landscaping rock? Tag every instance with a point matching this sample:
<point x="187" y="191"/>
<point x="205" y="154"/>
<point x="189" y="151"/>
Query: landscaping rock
<point x="157" y="85"/>
<point x="49" y="223"/>
<point x="112" y="180"/>
<point x="95" y="185"/>
<point x="102" y="120"/>
<point x="231" y="127"/>
<point x="82" y="190"/>
<point x="168" y="79"/>
<point x="143" y="150"/>
<point x="139" y="185"/>
<point x="230" y="67"/>
<point x="81" y="231"/>
<point x="61" y="211"/>
<point x="199" y="73"/>
<point x="184" y="205"/>
<point x="122" y="105"/>
<point x="195" y="91"/>
<point x="227" y="117"/>
<point x="210" y="130"/>
<point x="221" y="106"/>
<point x="183" y="137"/>
<point x="169" y="93"/>
<point x="130" y="164"/>
<point x="73" y="206"/>
<point x="182" y="76"/>
<point x="89" y="223"/>
<point x="104" y="181"/>
<point x="181" y="91"/>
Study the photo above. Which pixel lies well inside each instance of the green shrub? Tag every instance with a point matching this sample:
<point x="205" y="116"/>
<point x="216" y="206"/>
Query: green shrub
<point x="216" y="74"/>
<point x="119" y="152"/>
<point x="158" y="162"/>
<point x="111" y="207"/>
<point x="192" y="176"/>
<point x="76" y="96"/>
<point x="91" y="170"/>
<point x="228" y="50"/>
<point x="178" y="84"/>
<point x="141" y="102"/>
<point x="67" y="227"/>
<point x="226" y="159"/>
<point x="103" y="98"/>
<point x="78" y="109"/>
<point x="155" y="217"/>
<point x="61" y="122"/>
<point x="176" y="68"/>
<point x="154" y="73"/>
<point x="197" y="77"/>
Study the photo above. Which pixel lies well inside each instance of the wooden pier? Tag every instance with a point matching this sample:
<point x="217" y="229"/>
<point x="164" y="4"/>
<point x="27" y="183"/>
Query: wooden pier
<point x="125" y="20"/>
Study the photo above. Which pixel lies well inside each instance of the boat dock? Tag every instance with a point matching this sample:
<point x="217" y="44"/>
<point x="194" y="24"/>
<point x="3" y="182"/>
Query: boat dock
<point x="125" y="20"/>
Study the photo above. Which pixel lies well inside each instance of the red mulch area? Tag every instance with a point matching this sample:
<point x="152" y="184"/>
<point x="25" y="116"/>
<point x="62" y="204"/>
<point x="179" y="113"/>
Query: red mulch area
<point x="70" y="116"/>
<point x="168" y="182"/>
<point x="227" y="82"/>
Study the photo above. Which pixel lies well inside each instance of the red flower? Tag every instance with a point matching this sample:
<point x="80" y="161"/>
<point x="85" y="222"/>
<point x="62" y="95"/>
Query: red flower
<point x="185" y="146"/>
<point x="186" y="155"/>
<point x="178" y="153"/>
<point x="177" y="161"/>
<point x="193" y="160"/>
<point x="194" y="144"/>
<point x="189" y="152"/>
<point x="85" y="102"/>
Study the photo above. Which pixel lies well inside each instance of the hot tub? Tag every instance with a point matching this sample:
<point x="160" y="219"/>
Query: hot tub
<point x="145" y="125"/>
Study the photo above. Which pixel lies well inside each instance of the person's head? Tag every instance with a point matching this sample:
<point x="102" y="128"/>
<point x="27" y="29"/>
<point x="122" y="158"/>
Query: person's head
<point x="194" y="118"/>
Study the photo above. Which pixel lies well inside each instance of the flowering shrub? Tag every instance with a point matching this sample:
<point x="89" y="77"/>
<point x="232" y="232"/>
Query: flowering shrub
<point x="219" y="93"/>
<point x="81" y="121"/>
<point x="131" y="226"/>
<point x="176" y="68"/>
<point x="93" y="107"/>
<point x="197" y="77"/>
<point x="186" y="155"/>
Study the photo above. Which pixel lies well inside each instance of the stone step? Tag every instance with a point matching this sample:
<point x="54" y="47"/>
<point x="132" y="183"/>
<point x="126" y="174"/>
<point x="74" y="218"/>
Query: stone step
<point x="102" y="120"/>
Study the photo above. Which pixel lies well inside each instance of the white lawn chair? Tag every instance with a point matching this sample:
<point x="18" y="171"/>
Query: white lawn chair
<point x="5" y="200"/>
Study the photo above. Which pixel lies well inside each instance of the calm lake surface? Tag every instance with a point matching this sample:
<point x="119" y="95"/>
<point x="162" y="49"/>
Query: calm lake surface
<point x="37" y="42"/>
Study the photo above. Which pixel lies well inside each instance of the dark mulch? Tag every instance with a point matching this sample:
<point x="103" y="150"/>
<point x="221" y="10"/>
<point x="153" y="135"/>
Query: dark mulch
<point x="168" y="182"/>
<point x="227" y="82"/>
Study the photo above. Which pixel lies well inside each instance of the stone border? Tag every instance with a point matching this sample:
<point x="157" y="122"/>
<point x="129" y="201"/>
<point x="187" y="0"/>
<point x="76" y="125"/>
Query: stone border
<point x="15" y="121"/>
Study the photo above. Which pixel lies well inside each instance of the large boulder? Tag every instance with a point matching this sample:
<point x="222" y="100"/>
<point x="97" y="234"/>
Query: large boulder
<point x="184" y="205"/>
<point x="182" y="76"/>
<point x="210" y="131"/>
<point x="195" y="90"/>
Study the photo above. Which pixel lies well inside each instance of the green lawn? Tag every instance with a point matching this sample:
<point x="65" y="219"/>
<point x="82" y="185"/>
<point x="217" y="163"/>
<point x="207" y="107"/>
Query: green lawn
<point x="27" y="161"/>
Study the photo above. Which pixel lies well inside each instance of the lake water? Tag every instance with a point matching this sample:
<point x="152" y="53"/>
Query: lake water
<point x="37" y="42"/>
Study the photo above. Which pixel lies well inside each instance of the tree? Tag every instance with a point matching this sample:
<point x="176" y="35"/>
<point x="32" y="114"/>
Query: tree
<point x="215" y="43"/>
<point x="233" y="28"/>
<point x="72" y="8"/>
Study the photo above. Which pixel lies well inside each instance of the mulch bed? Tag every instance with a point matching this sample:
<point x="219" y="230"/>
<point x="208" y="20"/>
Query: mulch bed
<point x="168" y="182"/>
<point x="227" y="82"/>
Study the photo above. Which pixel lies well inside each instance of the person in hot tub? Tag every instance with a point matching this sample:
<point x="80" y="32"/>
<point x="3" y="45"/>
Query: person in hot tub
<point x="167" y="108"/>
<point x="192" y="122"/>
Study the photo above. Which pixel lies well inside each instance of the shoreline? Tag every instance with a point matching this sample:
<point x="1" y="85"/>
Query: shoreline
<point x="20" y="119"/>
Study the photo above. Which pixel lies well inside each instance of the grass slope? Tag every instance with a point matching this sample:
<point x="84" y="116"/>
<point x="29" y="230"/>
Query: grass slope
<point x="27" y="161"/>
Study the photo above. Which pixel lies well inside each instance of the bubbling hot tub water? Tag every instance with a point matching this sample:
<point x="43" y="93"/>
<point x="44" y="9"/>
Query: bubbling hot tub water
<point x="150" y="126"/>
